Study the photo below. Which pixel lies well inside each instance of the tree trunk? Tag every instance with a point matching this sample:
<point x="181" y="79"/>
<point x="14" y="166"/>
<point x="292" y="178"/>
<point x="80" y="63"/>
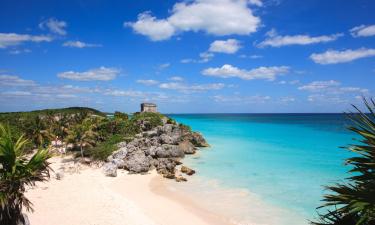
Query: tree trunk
<point x="81" y="149"/>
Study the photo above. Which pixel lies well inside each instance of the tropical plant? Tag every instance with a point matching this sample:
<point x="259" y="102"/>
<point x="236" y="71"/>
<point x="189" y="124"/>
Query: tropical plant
<point x="105" y="148"/>
<point x="121" y="116"/>
<point x="353" y="202"/>
<point x="82" y="135"/>
<point x="37" y="131"/>
<point x="16" y="172"/>
<point x="60" y="126"/>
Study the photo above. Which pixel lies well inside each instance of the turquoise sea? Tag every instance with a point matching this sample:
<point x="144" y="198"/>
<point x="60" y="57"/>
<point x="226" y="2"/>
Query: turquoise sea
<point x="275" y="164"/>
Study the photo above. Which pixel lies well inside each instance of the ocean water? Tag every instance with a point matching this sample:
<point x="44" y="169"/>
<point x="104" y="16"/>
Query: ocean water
<point x="267" y="168"/>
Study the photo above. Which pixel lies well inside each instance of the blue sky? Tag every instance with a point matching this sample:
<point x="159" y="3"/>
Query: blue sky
<point x="187" y="56"/>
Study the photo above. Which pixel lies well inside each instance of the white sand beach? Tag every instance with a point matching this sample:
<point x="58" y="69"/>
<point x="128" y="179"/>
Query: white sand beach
<point x="87" y="197"/>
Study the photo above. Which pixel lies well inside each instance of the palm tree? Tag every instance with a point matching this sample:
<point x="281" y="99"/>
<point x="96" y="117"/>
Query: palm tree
<point x="36" y="130"/>
<point x="353" y="203"/>
<point x="61" y="126"/>
<point x="82" y="135"/>
<point x="17" y="172"/>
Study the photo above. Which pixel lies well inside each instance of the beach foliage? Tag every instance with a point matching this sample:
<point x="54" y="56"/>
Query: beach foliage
<point x="83" y="135"/>
<point x="105" y="148"/>
<point x="17" y="171"/>
<point x="86" y="130"/>
<point x="121" y="116"/>
<point x="353" y="202"/>
<point x="147" y="120"/>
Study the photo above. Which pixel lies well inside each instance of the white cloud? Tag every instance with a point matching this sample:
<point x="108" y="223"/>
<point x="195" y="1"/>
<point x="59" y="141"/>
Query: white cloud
<point x="54" y="26"/>
<point x="255" y="56"/>
<point x="100" y="74"/>
<point x="13" y="39"/>
<point x="332" y="91"/>
<point x="287" y="99"/>
<point x="229" y="46"/>
<point x="240" y="99"/>
<point x="123" y="93"/>
<point x="275" y="40"/>
<point x="256" y="2"/>
<point x="181" y="87"/>
<point x="164" y="66"/>
<point x="292" y="82"/>
<point x="16" y="93"/>
<point x="320" y="85"/>
<point x="79" y="44"/>
<point x="331" y="87"/>
<point x="243" y="56"/>
<point x="227" y="71"/>
<point x="176" y="78"/>
<point x="155" y="29"/>
<point x="363" y="31"/>
<point x="148" y="82"/>
<point x="187" y="61"/>
<point x="216" y="17"/>
<point x="10" y="80"/>
<point x="19" y="51"/>
<point x="334" y="57"/>
<point x="205" y="57"/>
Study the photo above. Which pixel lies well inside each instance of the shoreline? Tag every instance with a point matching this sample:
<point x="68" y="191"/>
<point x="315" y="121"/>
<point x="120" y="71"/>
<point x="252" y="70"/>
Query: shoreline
<point x="87" y="196"/>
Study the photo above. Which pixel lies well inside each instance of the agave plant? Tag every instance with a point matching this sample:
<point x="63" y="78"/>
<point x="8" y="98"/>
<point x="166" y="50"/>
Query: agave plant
<point x="353" y="202"/>
<point x="16" y="172"/>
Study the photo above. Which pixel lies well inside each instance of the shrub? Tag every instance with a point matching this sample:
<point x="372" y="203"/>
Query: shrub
<point x="105" y="148"/>
<point x="171" y="121"/>
<point x="185" y="127"/>
<point x="121" y="116"/>
<point x="148" y="119"/>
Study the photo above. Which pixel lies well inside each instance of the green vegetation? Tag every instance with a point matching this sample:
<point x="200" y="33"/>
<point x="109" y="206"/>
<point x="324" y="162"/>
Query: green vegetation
<point x="83" y="135"/>
<point x="17" y="172"/>
<point x="185" y="127"/>
<point x="353" y="203"/>
<point x="89" y="131"/>
<point x="105" y="148"/>
<point x="121" y="116"/>
<point x="148" y="120"/>
<point x="46" y="112"/>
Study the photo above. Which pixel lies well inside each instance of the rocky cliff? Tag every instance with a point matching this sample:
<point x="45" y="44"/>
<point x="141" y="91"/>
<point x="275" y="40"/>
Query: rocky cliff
<point x="159" y="148"/>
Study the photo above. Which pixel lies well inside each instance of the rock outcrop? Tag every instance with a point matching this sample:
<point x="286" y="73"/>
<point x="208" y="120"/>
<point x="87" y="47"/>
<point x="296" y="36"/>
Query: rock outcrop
<point x="187" y="170"/>
<point x="160" y="148"/>
<point x="110" y="169"/>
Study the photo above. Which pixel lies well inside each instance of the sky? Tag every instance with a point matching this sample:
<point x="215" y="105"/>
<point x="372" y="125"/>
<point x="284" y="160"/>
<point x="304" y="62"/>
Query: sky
<point x="193" y="56"/>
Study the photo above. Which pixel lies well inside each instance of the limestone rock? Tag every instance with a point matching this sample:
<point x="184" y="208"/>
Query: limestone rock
<point x="137" y="162"/>
<point x="120" y="154"/>
<point x="187" y="147"/>
<point x="196" y="139"/>
<point x="110" y="169"/>
<point x="59" y="174"/>
<point x="120" y="163"/>
<point x="187" y="170"/>
<point x="170" y="151"/>
<point x="180" y="179"/>
<point x="169" y="176"/>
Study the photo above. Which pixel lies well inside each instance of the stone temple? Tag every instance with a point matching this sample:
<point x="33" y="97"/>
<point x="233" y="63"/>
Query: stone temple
<point x="148" y="107"/>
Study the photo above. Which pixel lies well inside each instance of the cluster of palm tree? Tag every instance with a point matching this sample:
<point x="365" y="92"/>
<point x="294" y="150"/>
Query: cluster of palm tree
<point x="17" y="170"/>
<point x="78" y="129"/>
<point x="353" y="202"/>
<point x="84" y="135"/>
